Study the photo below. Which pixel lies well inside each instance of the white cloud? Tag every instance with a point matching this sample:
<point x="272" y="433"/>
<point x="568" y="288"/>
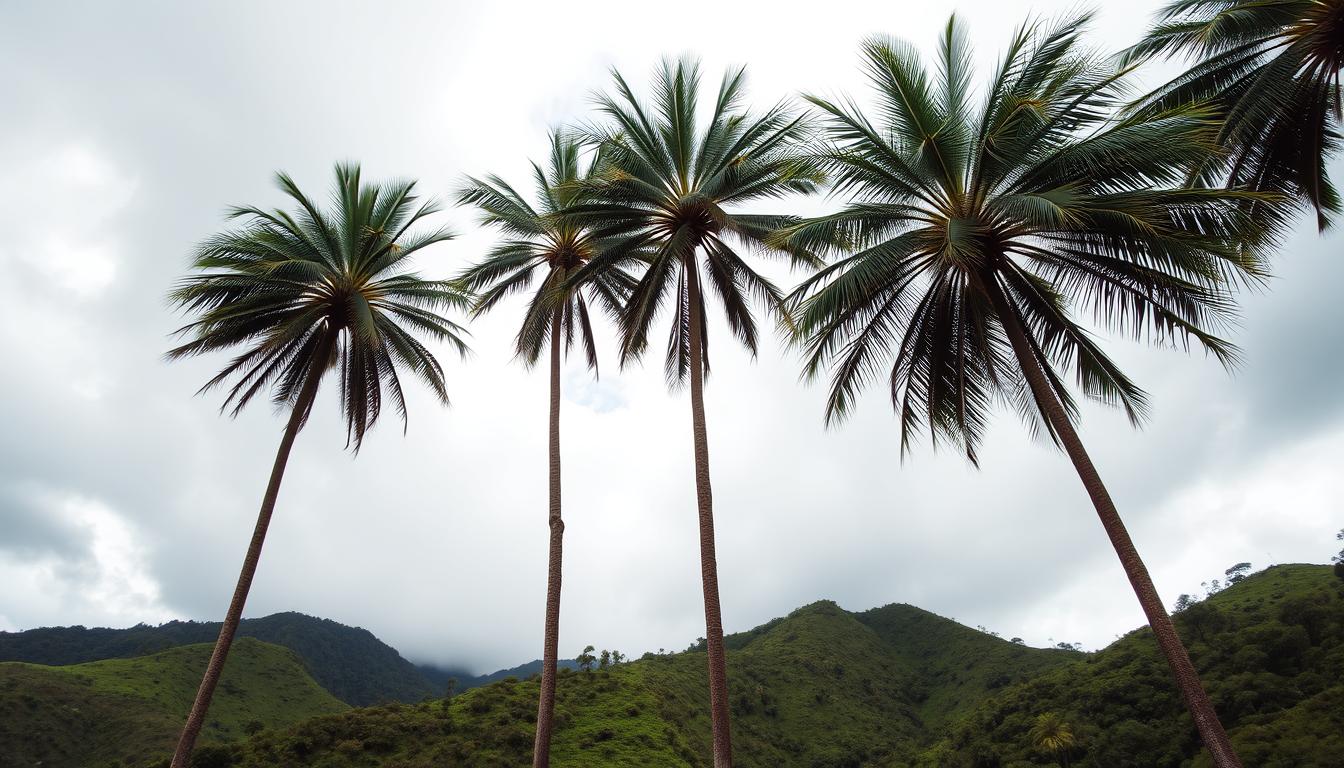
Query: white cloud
<point x="105" y="582"/>
<point x="437" y="541"/>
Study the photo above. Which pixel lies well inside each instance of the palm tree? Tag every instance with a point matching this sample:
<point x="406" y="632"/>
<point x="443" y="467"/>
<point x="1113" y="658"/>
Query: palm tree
<point x="1271" y="69"/>
<point x="304" y="293"/>
<point x="975" y="234"/>
<point x="1049" y="733"/>
<point x="672" y="186"/>
<point x="539" y="241"/>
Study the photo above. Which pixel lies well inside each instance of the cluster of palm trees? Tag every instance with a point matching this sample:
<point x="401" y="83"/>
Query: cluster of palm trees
<point x="976" y="227"/>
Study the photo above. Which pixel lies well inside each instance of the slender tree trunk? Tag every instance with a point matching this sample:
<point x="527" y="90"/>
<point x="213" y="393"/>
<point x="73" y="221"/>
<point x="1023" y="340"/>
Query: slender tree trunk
<point x="541" y="750"/>
<point x="709" y="569"/>
<point x="1187" y="679"/>
<point x="187" y="742"/>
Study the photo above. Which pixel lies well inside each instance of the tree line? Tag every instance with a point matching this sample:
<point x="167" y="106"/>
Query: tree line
<point x="978" y="230"/>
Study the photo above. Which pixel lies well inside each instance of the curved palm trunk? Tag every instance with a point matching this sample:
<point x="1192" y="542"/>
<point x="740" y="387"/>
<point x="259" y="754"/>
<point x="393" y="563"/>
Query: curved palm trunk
<point x="541" y="749"/>
<point x="709" y="569"/>
<point x="187" y="742"/>
<point x="1187" y="679"/>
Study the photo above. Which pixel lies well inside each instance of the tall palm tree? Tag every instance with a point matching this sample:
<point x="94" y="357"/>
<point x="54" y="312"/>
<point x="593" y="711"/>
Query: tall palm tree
<point x="975" y="234"/>
<point x="1049" y="733"/>
<point x="540" y="242"/>
<point x="1271" y="69"/>
<point x="673" y="186"/>
<point x="304" y="293"/>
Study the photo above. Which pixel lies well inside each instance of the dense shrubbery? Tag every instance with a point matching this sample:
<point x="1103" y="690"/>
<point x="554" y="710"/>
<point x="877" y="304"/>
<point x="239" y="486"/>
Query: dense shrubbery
<point x="1270" y="650"/>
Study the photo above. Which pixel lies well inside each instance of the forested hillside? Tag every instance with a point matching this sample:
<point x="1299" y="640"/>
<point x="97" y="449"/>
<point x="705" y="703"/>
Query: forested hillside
<point x="350" y="662"/>
<point x="897" y="686"/>
<point x="820" y="688"/>
<point x="1270" y="650"/>
<point x="128" y="711"/>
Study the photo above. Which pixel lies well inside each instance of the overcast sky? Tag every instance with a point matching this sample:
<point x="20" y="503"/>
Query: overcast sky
<point x="129" y="127"/>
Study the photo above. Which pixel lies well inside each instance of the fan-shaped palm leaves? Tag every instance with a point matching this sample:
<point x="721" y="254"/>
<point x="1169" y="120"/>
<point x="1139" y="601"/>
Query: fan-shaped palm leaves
<point x="672" y="185"/>
<point x="302" y="294"/>
<point x="1271" y="69"/>
<point x="540" y="241"/>
<point x="980" y="227"/>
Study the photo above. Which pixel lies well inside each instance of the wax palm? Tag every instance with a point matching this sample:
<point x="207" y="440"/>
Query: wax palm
<point x="976" y="232"/>
<point x="672" y="186"/>
<point x="541" y="242"/>
<point x="1049" y="733"/>
<point x="1271" y="68"/>
<point x="302" y="294"/>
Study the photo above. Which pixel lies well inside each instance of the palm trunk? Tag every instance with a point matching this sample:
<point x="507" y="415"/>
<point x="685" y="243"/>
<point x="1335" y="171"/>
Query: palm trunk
<point x="1187" y="679"/>
<point x="709" y="569"/>
<point x="541" y="749"/>
<point x="187" y="742"/>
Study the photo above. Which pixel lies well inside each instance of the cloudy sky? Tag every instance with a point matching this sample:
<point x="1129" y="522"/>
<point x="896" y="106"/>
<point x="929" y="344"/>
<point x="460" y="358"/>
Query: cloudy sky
<point x="128" y="128"/>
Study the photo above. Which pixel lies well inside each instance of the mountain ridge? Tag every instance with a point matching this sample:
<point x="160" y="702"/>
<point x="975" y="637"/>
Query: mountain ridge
<point x="890" y="686"/>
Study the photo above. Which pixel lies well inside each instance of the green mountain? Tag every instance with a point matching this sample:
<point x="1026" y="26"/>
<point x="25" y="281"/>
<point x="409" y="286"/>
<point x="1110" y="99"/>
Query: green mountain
<point x="958" y="667"/>
<point x="895" y="686"/>
<point x="438" y="677"/>
<point x="350" y="662"/>
<point x="820" y="688"/>
<point x="127" y="711"/>
<point x="1270" y="650"/>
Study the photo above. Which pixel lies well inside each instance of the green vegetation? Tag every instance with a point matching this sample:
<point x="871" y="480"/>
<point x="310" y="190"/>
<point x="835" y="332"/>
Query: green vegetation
<point x="959" y="666"/>
<point x="672" y="188"/>
<point x="978" y="234"/>
<point x="302" y="294"/>
<point x="1270" y="68"/>
<point x="131" y="709"/>
<point x="1270" y="648"/>
<point x="350" y="662"/>
<point x="539" y="241"/>
<point x="981" y="233"/>
<point x="819" y="688"/>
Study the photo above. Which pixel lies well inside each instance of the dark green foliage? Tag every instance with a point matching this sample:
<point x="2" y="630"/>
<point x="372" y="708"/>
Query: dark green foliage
<point x="674" y="187"/>
<point x="538" y="243"/>
<point x="586" y="659"/>
<point x="465" y="680"/>
<point x="132" y="709"/>
<point x="897" y="686"/>
<point x="1270" y="648"/>
<point x="350" y="662"/>
<point x="1270" y="70"/>
<point x="958" y="665"/>
<point x="893" y="686"/>
<point x="308" y="291"/>
<point x="1029" y="208"/>
<point x="821" y="687"/>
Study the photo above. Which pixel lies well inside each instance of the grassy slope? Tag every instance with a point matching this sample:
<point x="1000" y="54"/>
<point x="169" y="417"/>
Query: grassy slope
<point x="104" y="711"/>
<point x="818" y="688"/>
<point x="1270" y="651"/>
<point x="350" y="662"/>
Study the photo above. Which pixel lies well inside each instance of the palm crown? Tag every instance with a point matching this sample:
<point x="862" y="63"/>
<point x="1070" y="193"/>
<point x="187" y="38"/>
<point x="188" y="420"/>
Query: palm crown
<point x="1271" y="68"/>
<point x="670" y="187"/>
<point x="539" y="238"/>
<point x="306" y="291"/>
<point x="1032" y="203"/>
